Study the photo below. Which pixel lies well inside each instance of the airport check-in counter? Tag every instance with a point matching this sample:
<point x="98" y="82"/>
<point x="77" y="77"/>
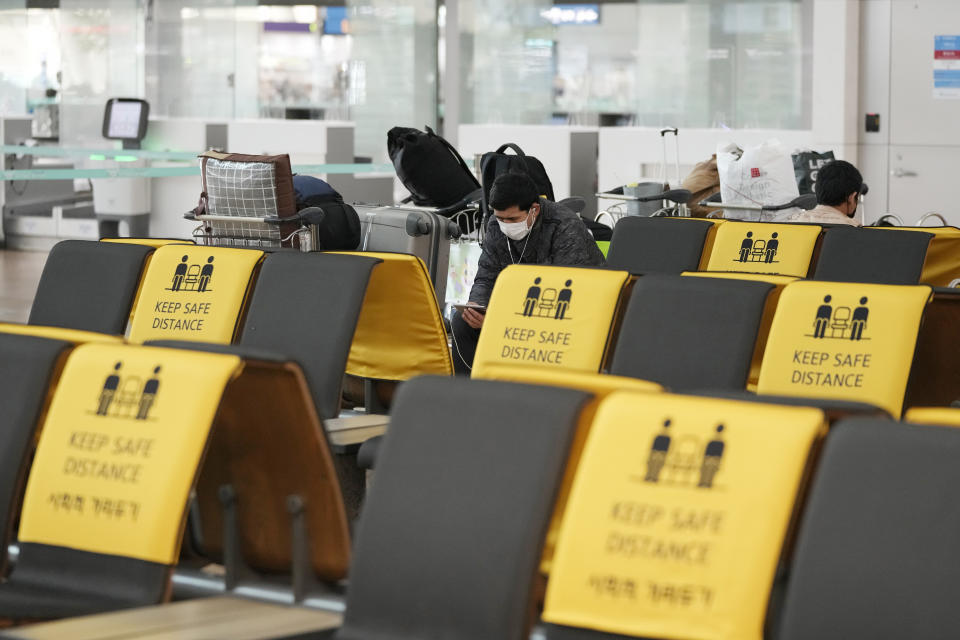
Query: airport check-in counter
<point x="35" y="211"/>
<point x="38" y="211"/>
<point x="308" y="142"/>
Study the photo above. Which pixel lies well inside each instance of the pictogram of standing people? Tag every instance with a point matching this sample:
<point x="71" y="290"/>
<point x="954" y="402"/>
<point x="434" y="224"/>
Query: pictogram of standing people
<point x="543" y="302"/>
<point x="758" y="250"/>
<point x="840" y="323"/>
<point x="192" y="277"/>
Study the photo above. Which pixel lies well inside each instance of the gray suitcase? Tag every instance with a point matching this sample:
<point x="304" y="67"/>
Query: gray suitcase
<point x="416" y="230"/>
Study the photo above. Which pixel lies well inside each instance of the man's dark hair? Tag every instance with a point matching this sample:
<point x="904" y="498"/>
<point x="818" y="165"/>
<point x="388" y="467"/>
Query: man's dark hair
<point x="511" y="189"/>
<point x="836" y="180"/>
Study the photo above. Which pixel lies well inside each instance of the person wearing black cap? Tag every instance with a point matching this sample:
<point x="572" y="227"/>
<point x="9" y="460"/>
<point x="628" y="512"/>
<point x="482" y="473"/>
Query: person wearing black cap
<point x="524" y="229"/>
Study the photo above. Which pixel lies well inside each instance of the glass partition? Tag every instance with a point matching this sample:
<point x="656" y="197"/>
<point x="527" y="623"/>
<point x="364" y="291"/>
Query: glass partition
<point x="30" y="55"/>
<point x="724" y="64"/>
<point x="191" y="57"/>
<point x="508" y="54"/>
<point x="699" y="63"/>
<point x="392" y="78"/>
<point x="304" y="57"/>
<point x="102" y="43"/>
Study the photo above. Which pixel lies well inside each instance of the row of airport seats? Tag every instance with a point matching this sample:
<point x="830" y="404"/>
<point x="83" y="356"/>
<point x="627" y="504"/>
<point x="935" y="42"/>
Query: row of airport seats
<point x="837" y="346"/>
<point x="125" y="434"/>
<point x="727" y="332"/>
<point x="688" y="517"/>
<point x="882" y="255"/>
<point x="286" y="326"/>
<point x="152" y="290"/>
<point x="675" y="347"/>
<point x="587" y="319"/>
<point x="371" y="317"/>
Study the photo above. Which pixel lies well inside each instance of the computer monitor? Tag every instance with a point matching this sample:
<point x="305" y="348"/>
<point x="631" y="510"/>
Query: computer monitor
<point x="126" y="119"/>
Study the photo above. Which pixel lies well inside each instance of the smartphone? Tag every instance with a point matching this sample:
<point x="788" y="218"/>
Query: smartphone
<point x="475" y="307"/>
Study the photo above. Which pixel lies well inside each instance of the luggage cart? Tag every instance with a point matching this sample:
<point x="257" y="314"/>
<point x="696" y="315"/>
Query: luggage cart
<point x="672" y="202"/>
<point x="807" y="201"/>
<point x="249" y="232"/>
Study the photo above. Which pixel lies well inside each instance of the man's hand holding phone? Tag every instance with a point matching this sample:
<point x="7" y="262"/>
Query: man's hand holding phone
<point x="473" y="314"/>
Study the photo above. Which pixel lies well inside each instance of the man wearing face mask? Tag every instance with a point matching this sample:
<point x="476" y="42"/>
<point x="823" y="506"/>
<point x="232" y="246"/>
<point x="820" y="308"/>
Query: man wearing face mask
<point x="838" y="190"/>
<point x="525" y="229"/>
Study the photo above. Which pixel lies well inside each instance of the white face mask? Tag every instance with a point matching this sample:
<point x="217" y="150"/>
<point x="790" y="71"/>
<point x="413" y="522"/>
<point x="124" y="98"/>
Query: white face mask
<point x="515" y="230"/>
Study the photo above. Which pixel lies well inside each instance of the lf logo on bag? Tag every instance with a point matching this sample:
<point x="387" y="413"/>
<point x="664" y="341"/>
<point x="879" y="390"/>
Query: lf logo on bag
<point x="547" y="302"/>
<point x="755" y="172"/>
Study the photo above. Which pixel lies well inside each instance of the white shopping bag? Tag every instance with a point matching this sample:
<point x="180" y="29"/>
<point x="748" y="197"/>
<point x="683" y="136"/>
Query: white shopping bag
<point x="760" y="175"/>
<point x="464" y="257"/>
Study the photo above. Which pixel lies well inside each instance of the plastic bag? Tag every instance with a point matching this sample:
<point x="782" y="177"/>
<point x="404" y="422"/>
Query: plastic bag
<point x="464" y="257"/>
<point x="760" y="175"/>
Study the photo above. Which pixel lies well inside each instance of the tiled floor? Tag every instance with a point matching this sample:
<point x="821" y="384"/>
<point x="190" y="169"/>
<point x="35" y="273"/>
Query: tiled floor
<point x="19" y="274"/>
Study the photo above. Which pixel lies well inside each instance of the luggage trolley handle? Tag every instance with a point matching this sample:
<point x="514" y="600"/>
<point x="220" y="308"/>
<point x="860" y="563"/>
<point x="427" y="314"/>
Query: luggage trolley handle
<point x="682" y="209"/>
<point x="305" y="217"/>
<point x="676" y="142"/>
<point x="807" y="201"/>
<point x="678" y="196"/>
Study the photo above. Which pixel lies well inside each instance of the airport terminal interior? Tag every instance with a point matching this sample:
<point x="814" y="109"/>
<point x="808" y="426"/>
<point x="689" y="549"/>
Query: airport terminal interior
<point x="479" y="319"/>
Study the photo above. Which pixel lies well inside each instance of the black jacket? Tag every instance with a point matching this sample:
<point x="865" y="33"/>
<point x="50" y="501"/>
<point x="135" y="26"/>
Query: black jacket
<point x="558" y="237"/>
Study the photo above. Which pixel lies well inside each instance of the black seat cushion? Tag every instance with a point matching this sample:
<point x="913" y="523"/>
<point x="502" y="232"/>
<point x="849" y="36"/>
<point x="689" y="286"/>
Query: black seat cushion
<point x="89" y="285"/>
<point x="27" y="364"/>
<point x="876" y="256"/>
<point x="450" y="538"/>
<point x="56" y="582"/>
<point x="657" y="245"/>
<point x="689" y="332"/>
<point x="305" y="307"/>
<point x="877" y="554"/>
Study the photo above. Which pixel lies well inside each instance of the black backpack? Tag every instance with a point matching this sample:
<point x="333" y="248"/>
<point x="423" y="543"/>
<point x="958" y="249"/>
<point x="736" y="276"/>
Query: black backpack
<point x="430" y="168"/>
<point x="319" y="204"/>
<point x="494" y="163"/>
